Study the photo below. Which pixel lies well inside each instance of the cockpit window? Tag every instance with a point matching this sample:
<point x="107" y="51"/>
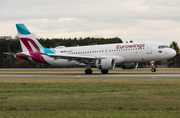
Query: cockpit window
<point x="163" y="46"/>
<point x="160" y="47"/>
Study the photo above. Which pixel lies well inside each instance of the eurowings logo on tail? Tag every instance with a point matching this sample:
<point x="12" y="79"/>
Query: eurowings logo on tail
<point x="30" y="45"/>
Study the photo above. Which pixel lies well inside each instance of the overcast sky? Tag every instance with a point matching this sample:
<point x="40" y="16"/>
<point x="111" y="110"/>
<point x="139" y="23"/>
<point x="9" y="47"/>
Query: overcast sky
<point x="137" y="20"/>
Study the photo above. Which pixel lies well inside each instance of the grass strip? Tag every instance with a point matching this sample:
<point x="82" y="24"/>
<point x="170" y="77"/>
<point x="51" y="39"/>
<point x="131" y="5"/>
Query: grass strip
<point x="89" y="97"/>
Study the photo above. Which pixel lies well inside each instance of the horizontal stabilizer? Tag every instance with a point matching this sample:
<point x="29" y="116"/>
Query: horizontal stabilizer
<point x="18" y="54"/>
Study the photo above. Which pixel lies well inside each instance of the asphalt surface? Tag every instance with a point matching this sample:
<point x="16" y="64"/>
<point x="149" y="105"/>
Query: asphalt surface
<point x="72" y="75"/>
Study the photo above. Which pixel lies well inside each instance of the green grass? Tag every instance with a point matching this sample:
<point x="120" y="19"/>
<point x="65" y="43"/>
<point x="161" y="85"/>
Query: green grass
<point x="89" y="98"/>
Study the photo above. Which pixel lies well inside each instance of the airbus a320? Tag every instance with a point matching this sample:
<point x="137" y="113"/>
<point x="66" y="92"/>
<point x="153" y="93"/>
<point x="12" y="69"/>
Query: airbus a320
<point x="104" y="57"/>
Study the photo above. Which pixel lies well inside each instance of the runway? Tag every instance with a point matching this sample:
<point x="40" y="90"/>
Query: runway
<point x="72" y="75"/>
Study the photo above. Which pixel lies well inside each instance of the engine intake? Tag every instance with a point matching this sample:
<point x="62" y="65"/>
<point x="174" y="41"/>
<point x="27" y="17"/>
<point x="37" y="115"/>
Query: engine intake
<point x="105" y="64"/>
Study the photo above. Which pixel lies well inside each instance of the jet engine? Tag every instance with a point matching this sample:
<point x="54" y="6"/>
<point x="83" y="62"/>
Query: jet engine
<point x="105" y="64"/>
<point x="129" y="65"/>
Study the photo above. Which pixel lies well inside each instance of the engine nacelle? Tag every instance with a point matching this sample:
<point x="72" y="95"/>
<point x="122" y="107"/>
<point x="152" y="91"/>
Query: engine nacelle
<point x="129" y="65"/>
<point x="105" y="64"/>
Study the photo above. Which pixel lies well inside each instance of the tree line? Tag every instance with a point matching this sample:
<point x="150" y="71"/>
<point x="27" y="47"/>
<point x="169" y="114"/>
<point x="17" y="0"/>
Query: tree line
<point x="13" y="46"/>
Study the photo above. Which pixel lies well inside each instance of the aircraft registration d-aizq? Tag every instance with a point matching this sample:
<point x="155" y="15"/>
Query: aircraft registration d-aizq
<point x="104" y="57"/>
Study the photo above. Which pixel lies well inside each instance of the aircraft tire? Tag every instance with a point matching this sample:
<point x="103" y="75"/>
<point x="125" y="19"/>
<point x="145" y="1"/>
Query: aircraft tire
<point x="153" y="70"/>
<point x="104" y="71"/>
<point x="88" y="71"/>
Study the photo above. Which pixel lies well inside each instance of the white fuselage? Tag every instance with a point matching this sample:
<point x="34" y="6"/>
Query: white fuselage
<point x="121" y="52"/>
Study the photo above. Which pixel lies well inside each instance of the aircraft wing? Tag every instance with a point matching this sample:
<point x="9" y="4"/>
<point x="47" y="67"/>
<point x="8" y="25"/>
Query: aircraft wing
<point x="84" y="59"/>
<point x="78" y="58"/>
<point x="67" y="56"/>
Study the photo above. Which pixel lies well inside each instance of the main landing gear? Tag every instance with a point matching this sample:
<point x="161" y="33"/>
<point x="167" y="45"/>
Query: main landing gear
<point x="104" y="71"/>
<point x="152" y="65"/>
<point x="88" y="71"/>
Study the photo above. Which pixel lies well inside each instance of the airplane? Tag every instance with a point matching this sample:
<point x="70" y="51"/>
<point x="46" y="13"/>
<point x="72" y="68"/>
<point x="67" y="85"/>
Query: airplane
<point x="104" y="57"/>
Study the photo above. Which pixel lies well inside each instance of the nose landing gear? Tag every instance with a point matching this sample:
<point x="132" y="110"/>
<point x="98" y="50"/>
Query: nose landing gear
<point x="152" y="66"/>
<point x="153" y="69"/>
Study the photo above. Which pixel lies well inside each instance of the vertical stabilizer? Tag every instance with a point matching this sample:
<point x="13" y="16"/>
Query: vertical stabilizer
<point x="25" y="36"/>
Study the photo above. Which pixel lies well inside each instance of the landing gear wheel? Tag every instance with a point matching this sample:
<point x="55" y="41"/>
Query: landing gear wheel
<point x="153" y="70"/>
<point x="104" y="71"/>
<point x="152" y="65"/>
<point x="88" y="71"/>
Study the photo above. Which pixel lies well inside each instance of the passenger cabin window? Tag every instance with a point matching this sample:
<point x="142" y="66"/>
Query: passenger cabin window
<point x="163" y="46"/>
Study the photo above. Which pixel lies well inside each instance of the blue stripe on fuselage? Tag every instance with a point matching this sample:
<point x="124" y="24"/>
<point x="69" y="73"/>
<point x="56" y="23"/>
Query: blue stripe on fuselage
<point x="51" y="51"/>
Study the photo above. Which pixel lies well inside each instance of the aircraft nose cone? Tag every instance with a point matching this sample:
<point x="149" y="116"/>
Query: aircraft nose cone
<point x="173" y="53"/>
